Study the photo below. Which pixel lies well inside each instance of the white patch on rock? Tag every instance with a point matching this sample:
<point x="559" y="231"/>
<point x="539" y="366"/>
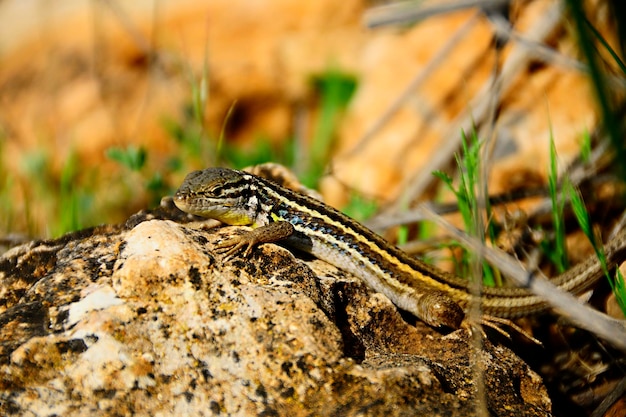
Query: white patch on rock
<point x="100" y="298"/>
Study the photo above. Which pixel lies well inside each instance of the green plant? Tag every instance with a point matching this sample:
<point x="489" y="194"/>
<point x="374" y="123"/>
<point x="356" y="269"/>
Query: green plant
<point x="135" y="159"/>
<point x="35" y="182"/>
<point x="63" y="201"/>
<point x="611" y="104"/>
<point x="359" y="207"/>
<point x="262" y="150"/>
<point x="6" y="204"/>
<point x="7" y="187"/>
<point x="556" y="250"/>
<point x="468" y="164"/>
<point x="131" y="157"/>
<point x="194" y="146"/>
<point x="335" y="90"/>
<point x="582" y="217"/>
<point x="74" y="201"/>
<point x="606" y="97"/>
<point x="585" y="147"/>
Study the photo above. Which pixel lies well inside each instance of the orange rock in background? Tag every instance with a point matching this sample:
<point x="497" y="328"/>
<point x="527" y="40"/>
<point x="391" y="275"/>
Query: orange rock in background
<point x="97" y="76"/>
<point x="89" y="75"/>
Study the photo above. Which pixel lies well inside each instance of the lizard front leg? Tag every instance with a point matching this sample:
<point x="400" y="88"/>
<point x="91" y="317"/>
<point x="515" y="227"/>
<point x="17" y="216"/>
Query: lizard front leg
<point x="270" y="233"/>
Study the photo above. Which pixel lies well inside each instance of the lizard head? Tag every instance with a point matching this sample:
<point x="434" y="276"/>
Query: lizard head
<point x="219" y="193"/>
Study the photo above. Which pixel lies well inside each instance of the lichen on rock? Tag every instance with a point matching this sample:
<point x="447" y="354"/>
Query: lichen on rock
<point x="147" y="320"/>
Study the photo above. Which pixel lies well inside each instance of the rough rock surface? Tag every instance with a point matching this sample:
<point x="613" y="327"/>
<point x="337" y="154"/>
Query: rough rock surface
<point x="145" y="319"/>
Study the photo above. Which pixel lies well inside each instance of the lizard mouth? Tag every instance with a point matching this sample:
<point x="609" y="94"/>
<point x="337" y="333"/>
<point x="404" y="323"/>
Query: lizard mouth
<point x="222" y="212"/>
<point x="182" y="202"/>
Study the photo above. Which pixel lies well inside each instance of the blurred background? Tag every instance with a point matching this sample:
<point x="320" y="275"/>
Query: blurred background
<point x="105" y="105"/>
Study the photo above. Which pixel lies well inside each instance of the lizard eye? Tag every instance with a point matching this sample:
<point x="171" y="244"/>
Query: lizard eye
<point x="217" y="191"/>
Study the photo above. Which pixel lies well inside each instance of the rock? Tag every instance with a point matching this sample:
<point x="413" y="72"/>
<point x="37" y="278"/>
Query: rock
<point x="147" y="320"/>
